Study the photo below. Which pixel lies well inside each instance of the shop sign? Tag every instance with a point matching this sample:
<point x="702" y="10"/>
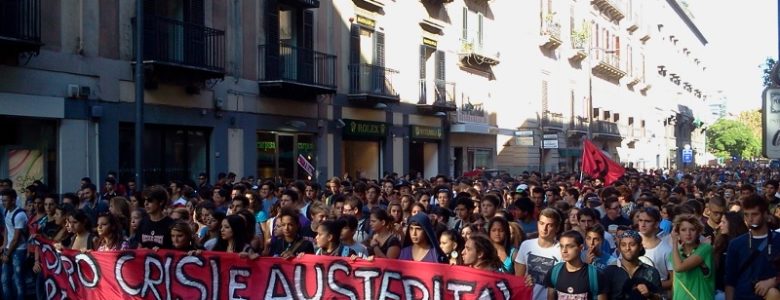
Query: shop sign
<point x="364" y="129"/>
<point x="430" y="42"/>
<point x="305" y="146"/>
<point x="426" y="132"/>
<point x="266" y="145"/>
<point x="550" y="144"/>
<point x="366" y="21"/>
<point x="570" y="152"/>
<point x="527" y="141"/>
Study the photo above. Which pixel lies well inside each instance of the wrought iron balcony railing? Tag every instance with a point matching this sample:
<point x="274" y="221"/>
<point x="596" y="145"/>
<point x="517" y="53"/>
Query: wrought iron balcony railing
<point x="372" y="81"/>
<point x="579" y="124"/>
<point x="20" y="24"/>
<point x="552" y="121"/>
<point x="297" y="65"/>
<point x="177" y="43"/>
<point x="437" y="92"/>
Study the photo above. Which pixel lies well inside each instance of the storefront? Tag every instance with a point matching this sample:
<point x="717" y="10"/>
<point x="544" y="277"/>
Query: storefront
<point x="362" y="148"/>
<point x="277" y="154"/>
<point x="424" y="150"/>
<point x="170" y="152"/>
<point x="28" y="151"/>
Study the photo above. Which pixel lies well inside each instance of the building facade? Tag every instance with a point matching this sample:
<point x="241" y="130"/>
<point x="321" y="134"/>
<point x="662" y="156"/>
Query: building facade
<point x="358" y="87"/>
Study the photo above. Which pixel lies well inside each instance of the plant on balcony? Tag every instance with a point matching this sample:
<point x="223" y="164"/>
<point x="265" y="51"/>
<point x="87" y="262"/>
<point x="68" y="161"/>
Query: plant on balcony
<point x="579" y="37"/>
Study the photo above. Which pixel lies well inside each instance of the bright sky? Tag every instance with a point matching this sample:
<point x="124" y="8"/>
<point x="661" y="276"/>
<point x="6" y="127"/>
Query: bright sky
<point x="741" y="35"/>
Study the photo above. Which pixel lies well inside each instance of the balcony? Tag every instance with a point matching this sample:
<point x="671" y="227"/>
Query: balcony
<point x="635" y="79"/>
<point x="436" y="96"/>
<point x="609" y="7"/>
<point x="633" y="22"/>
<point x="372" y="84"/>
<point x="474" y="54"/>
<point x="20" y="26"/>
<point x="637" y="133"/>
<point x="551" y="36"/>
<point x="179" y="50"/>
<point x="578" y="126"/>
<point x="470" y="113"/>
<point x="552" y="121"/>
<point x="609" y="66"/>
<point x="304" y="4"/>
<point x="295" y="72"/>
<point x="438" y="2"/>
<point x="606" y="130"/>
<point x="645" y="33"/>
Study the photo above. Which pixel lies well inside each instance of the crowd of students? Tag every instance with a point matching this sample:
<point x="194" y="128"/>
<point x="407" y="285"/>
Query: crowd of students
<point x="704" y="235"/>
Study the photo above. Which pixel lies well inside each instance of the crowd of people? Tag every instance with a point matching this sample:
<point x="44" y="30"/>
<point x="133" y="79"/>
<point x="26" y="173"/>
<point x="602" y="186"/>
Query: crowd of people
<point x="706" y="234"/>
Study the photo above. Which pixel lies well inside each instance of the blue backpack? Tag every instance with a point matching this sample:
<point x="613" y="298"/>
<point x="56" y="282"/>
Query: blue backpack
<point x="592" y="278"/>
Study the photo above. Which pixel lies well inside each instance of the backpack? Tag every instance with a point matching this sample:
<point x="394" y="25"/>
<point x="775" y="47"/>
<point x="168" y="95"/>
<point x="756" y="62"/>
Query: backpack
<point x="593" y="284"/>
<point x="24" y="232"/>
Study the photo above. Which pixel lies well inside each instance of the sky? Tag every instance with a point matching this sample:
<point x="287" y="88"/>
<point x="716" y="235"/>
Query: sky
<point x="741" y="35"/>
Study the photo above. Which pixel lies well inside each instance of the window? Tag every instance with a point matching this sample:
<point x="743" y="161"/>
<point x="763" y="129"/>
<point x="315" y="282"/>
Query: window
<point x="170" y="152"/>
<point x="479" y="158"/>
<point x="277" y="154"/>
<point x="472" y="28"/>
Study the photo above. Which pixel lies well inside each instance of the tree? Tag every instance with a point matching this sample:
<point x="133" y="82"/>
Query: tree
<point x="751" y="119"/>
<point x="729" y="138"/>
<point x="767" y="66"/>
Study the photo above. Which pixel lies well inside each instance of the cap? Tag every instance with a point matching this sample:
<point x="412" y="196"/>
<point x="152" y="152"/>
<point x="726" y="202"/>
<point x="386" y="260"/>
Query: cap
<point x="521" y="187"/>
<point x="401" y="183"/>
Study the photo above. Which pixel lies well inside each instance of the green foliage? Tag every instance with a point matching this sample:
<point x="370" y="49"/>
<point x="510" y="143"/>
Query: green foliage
<point x="767" y="66"/>
<point x="751" y="119"/>
<point x="727" y="138"/>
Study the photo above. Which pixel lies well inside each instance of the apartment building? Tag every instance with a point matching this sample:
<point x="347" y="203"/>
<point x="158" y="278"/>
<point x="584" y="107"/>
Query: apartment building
<point x="362" y="87"/>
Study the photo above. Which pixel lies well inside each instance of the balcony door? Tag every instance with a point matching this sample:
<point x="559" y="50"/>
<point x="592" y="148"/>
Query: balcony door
<point x="289" y="42"/>
<point x="367" y="58"/>
<point x="174" y="35"/>
<point x="432" y="76"/>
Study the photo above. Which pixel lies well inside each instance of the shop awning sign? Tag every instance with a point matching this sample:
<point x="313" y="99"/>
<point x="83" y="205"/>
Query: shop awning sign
<point x="426" y="132"/>
<point x="364" y="129"/>
<point x="306" y="165"/>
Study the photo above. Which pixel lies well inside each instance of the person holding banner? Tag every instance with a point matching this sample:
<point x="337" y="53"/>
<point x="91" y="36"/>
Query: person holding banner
<point x="232" y="236"/>
<point x="81" y="238"/>
<point x="480" y="253"/>
<point x="183" y="238"/>
<point x="14" y="248"/>
<point x="291" y="242"/>
<point x="154" y="231"/>
<point x="329" y="240"/>
<point x="109" y="232"/>
<point x="421" y="242"/>
<point x="383" y="242"/>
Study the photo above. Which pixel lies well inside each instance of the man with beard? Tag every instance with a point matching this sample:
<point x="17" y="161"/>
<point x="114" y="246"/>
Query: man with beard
<point x="750" y="258"/>
<point x="631" y="278"/>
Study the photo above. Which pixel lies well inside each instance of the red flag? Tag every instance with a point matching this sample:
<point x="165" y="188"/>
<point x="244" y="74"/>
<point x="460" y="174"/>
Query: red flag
<point x="598" y="165"/>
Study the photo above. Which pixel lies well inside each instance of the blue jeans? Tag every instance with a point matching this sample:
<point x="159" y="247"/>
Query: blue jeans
<point x="13" y="275"/>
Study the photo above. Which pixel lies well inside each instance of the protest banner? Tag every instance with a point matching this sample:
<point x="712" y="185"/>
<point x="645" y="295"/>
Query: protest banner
<point x="171" y="275"/>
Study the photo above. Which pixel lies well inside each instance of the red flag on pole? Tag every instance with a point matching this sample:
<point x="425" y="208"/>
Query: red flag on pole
<point x="597" y="165"/>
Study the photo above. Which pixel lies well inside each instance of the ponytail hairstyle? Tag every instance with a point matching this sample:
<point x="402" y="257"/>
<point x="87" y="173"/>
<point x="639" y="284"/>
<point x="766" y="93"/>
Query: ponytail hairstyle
<point x="334" y="229"/>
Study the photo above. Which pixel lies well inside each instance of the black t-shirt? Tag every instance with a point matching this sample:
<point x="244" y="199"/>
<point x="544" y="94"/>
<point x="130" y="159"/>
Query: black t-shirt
<point x="280" y="245"/>
<point x="155" y="234"/>
<point x="574" y="285"/>
<point x="621" y="286"/>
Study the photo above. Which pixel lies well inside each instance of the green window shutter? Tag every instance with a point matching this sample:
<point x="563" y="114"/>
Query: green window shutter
<point x="465" y="24"/>
<point x="379" y="42"/>
<point x="271" y="39"/>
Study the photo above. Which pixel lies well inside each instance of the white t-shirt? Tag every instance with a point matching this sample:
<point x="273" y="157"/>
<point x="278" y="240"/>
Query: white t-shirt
<point x="658" y="258"/>
<point x="538" y="262"/>
<point x="20" y="223"/>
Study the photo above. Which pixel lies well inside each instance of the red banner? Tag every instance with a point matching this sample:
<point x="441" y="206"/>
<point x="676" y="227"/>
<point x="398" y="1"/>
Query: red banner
<point x="597" y="165"/>
<point x="171" y="275"/>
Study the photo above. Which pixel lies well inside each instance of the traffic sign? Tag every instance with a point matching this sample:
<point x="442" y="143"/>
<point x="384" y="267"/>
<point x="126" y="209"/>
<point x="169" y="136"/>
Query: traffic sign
<point x="687" y="156"/>
<point x="770" y="123"/>
<point x="306" y="165"/>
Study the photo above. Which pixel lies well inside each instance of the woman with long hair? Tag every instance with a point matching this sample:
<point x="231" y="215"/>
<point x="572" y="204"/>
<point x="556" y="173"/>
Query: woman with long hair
<point x="383" y="242"/>
<point x="731" y="226"/>
<point x="498" y="231"/>
<point x="80" y="227"/>
<point x="120" y="208"/>
<point x="183" y="238"/>
<point x="328" y="240"/>
<point x="136" y="201"/>
<point x="397" y="215"/>
<point x="691" y="259"/>
<point x="406" y="205"/>
<point x="61" y="214"/>
<point x="214" y="228"/>
<point x="138" y="216"/>
<point x="480" y="253"/>
<point x="110" y="237"/>
<point x="232" y="236"/>
<point x="290" y="242"/>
